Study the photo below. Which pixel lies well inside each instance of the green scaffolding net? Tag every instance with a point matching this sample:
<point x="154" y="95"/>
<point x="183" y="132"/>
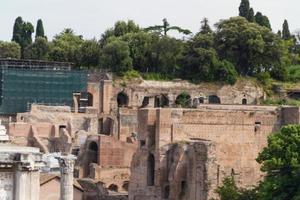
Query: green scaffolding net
<point x="22" y="87"/>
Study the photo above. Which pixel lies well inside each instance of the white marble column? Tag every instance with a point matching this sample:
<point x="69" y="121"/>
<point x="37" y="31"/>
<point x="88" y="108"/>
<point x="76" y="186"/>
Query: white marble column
<point x="66" y="172"/>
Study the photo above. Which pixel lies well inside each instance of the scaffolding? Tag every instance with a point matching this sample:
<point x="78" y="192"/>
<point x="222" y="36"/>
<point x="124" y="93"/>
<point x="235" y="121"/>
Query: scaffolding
<point x="50" y="83"/>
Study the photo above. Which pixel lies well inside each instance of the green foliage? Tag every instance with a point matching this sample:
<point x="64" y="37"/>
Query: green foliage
<point x="115" y="56"/>
<point x="226" y="72"/>
<point x="264" y="78"/>
<point x="89" y="54"/>
<point x="10" y="50"/>
<point x="286" y="34"/>
<point x="229" y="191"/>
<point x="251" y="17"/>
<point x="39" y="50"/>
<point x="262" y="20"/>
<point x="244" y="8"/>
<point x="183" y="100"/>
<point x="251" y="48"/>
<point x="294" y="73"/>
<point x="205" y="28"/>
<point x="131" y="74"/>
<point x="65" y="47"/>
<point x="281" y="102"/>
<point x="165" y="28"/>
<point x="39" y="29"/>
<point x="22" y="33"/>
<point x="280" y="161"/>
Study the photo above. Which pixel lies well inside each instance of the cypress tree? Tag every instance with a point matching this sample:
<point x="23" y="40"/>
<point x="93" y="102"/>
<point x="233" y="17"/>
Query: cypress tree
<point x="286" y="34"/>
<point x="205" y="28"/>
<point x="251" y="17"/>
<point x="39" y="29"/>
<point x="244" y="8"/>
<point x="17" y="30"/>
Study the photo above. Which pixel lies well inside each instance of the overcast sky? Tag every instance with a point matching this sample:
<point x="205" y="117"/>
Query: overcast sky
<point x="91" y="18"/>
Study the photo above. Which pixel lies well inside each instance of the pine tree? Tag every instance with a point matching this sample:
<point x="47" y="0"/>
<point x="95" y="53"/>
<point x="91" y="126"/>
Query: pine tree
<point x="244" y="8"/>
<point x="205" y="28"/>
<point x="286" y="34"/>
<point x="39" y="29"/>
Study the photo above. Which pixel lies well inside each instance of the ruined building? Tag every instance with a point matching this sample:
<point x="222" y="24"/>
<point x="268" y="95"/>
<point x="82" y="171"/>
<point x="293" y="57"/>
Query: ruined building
<point x="135" y="134"/>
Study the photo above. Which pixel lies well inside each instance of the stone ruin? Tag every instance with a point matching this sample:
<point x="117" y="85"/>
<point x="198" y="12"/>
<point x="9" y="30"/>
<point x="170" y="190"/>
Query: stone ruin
<point x="135" y="136"/>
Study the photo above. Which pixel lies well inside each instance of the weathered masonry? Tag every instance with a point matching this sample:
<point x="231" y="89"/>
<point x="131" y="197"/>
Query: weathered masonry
<point x="186" y="153"/>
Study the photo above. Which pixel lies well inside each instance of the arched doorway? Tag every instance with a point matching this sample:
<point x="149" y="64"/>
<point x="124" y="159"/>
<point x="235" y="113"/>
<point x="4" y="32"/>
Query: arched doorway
<point x="244" y="101"/>
<point x="214" y="99"/>
<point x="113" y="187"/>
<point x="91" y="156"/>
<point x="161" y="101"/>
<point x="122" y="99"/>
<point x="150" y="170"/>
<point x="183" y="100"/>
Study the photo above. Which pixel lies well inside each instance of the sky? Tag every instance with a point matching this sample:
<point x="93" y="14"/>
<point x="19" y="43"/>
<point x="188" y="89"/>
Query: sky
<point x="91" y="18"/>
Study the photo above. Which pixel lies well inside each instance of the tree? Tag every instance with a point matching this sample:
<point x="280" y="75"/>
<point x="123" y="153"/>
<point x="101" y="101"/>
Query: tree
<point x="120" y="28"/>
<point x="65" y="47"/>
<point x="10" y="50"/>
<point x="205" y="28"/>
<point x="280" y="161"/>
<point x="286" y="34"/>
<point x="251" y="17"/>
<point x="89" y="53"/>
<point x="251" y="48"/>
<point x="39" y="50"/>
<point x="262" y="20"/>
<point x="244" y="8"/>
<point x="22" y="33"/>
<point x="165" y="28"/>
<point x="39" y="29"/>
<point x="115" y="56"/>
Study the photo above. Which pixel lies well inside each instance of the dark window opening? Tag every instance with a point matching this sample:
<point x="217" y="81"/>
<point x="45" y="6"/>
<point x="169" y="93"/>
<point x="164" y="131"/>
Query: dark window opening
<point x="93" y="146"/>
<point x="145" y="102"/>
<point x="214" y="99"/>
<point x="142" y="143"/>
<point x="201" y="99"/>
<point x="113" y="187"/>
<point x="183" y="188"/>
<point x="122" y="99"/>
<point x="244" y="101"/>
<point x="89" y="99"/>
<point x="125" y="185"/>
<point x="166" y="192"/>
<point x="161" y="101"/>
<point x="151" y="170"/>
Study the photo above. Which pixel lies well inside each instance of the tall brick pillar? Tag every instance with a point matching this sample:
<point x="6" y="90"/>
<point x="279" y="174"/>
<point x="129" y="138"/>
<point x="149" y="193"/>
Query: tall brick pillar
<point x="66" y="164"/>
<point x="106" y="91"/>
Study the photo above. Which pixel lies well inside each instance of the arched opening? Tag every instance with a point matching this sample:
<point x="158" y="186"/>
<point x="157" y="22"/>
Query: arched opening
<point x="161" y="101"/>
<point x="151" y="170"/>
<point x="183" y="188"/>
<point x="145" y="102"/>
<point x="91" y="156"/>
<point x="89" y="99"/>
<point x="214" y="99"/>
<point x="113" y="187"/>
<point x="183" y="100"/>
<point x="125" y="185"/>
<point x="166" y="192"/>
<point x="201" y="99"/>
<point x="244" y="101"/>
<point x="122" y="99"/>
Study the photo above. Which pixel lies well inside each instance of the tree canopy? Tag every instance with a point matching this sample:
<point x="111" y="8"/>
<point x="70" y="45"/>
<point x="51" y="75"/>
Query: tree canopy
<point x="39" y="29"/>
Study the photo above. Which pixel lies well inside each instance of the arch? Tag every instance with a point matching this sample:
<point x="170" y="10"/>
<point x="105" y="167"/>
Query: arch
<point x="93" y="146"/>
<point x="214" y="99"/>
<point x="183" y="100"/>
<point x="201" y="100"/>
<point x="183" y="188"/>
<point x="161" y="101"/>
<point x="89" y="99"/>
<point x="244" y="101"/>
<point x="113" y="187"/>
<point x="150" y="170"/>
<point x="125" y="185"/>
<point x="122" y="99"/>
<point x="145" y="102"/>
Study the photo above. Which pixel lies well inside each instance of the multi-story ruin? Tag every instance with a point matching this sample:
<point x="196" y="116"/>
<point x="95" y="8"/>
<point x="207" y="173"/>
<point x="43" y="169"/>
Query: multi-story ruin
<point x="135" y="134"/>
